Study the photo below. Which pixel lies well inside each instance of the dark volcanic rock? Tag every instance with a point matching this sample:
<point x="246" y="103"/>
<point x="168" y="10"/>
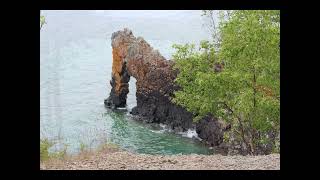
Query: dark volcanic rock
<point x="158" y="108"/>
<point x="155" y="87"/>
<point x="210" y="129"/>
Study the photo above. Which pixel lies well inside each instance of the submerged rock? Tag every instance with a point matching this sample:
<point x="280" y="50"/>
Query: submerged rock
<point x="155" y="87"/>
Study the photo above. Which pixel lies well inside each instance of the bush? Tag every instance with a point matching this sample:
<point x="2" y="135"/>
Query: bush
<point x="240" y="82"/>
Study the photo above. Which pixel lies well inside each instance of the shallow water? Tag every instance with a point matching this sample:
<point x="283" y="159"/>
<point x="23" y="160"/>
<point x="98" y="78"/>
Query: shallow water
<point x="75" y="70"/>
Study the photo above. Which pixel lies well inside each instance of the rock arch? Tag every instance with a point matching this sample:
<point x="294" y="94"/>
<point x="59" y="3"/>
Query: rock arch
<point x="135" y="57"/>
<point x="155" y="86"/>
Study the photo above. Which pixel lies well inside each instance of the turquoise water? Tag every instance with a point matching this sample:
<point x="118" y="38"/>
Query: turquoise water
<point x="75" y="70"/>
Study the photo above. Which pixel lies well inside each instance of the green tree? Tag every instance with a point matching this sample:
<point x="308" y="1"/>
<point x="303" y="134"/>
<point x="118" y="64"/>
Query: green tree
<point x="42" y="21"/>
<point x="246" y="92"/>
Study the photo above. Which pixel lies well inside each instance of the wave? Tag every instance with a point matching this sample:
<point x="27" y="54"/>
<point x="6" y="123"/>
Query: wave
<point x="191" y="133"/>
<point x="158" y="132"/>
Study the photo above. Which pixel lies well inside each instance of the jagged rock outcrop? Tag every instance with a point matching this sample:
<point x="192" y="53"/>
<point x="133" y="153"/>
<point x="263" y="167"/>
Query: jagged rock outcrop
<point x="155" y="86"/>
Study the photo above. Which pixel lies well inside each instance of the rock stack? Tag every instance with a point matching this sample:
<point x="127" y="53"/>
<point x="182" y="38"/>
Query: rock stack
<point x="155" y="87"/>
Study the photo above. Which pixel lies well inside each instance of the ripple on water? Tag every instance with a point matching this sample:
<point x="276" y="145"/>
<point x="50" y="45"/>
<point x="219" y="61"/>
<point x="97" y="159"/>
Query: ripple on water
<point x="75" y="70"/>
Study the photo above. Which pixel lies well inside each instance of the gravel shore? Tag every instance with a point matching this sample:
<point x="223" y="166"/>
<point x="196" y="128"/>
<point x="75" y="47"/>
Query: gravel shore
<point x="122" y="160"/>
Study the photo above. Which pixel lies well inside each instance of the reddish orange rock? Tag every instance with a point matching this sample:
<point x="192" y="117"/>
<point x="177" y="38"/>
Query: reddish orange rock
<point x="135" y="57"/>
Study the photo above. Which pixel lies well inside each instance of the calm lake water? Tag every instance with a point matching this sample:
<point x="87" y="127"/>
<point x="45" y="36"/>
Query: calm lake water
<point x="75" y="70"/>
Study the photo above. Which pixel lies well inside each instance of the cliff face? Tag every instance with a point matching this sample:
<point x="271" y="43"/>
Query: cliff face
<point x="155" y="86"/>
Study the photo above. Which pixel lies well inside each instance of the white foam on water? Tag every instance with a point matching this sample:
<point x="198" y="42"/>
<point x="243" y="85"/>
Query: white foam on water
<point x="165" y="128"/>
<point x="191" y="133"/>
<point x="162" y="126"/>
<point x="158" y="132"/>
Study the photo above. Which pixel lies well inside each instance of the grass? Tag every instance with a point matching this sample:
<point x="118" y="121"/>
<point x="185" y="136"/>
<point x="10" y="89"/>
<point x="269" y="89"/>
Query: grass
<point x="60" y="156"/>
<point x="45" y="145"/>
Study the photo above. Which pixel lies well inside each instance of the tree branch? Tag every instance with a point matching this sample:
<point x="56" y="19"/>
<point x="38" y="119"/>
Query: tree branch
<point x="250" y="146"/>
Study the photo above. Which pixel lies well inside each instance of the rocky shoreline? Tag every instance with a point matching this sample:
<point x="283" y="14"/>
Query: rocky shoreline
<point x="155" y="85"/>
<point x="155" y="82"/>
<point x="122" y="160"/>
